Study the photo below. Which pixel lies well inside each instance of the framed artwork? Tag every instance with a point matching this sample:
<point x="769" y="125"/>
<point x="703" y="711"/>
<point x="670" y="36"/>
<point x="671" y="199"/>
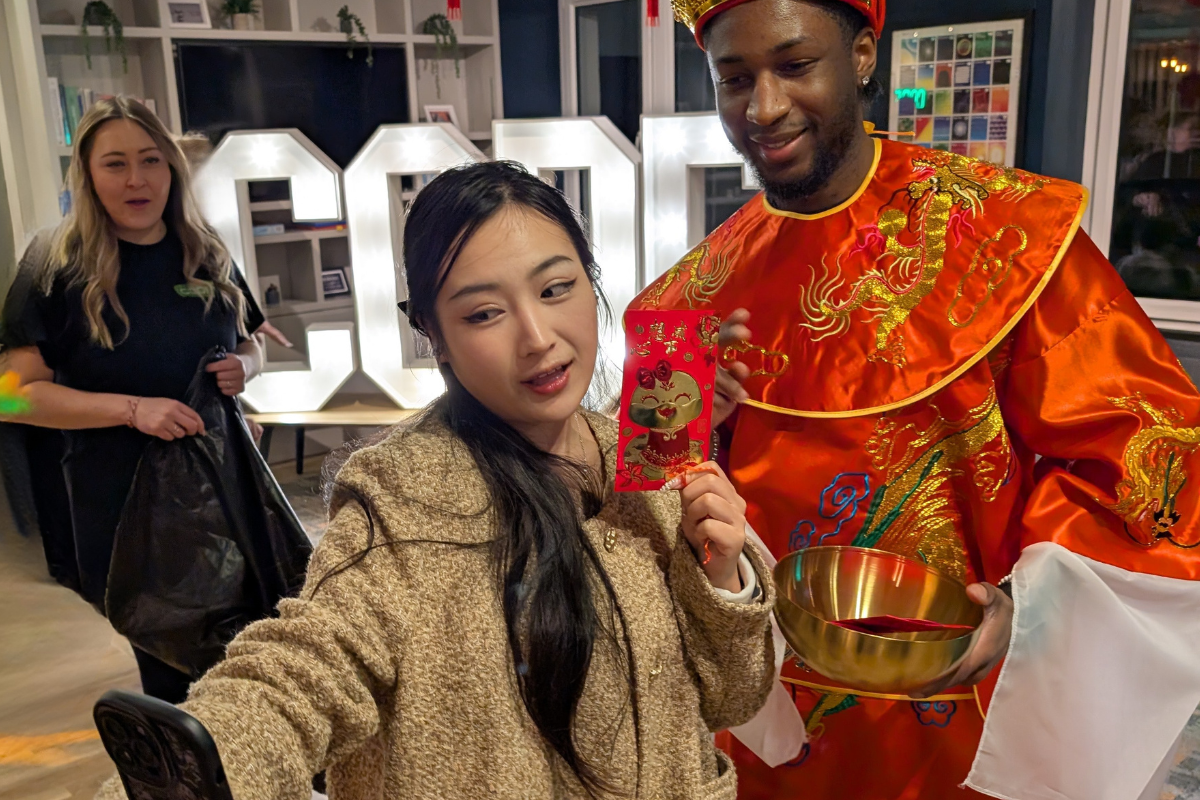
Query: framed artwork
<point x="441" y="114"/>
<point x="188" y="14"/>
<point x="957" y="88"/>
<point x="334" y="282"/>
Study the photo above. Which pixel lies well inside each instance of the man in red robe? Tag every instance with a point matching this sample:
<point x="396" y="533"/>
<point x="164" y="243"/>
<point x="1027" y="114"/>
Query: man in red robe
<point x="943" y="366"/>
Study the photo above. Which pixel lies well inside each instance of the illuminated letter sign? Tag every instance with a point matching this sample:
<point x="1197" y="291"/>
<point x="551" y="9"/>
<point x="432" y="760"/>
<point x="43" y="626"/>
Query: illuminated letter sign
<point x="316" y="196"/>
<point x="594" y="144"/>
<point x="376" y="219"/>
<point x="671" y="146"/>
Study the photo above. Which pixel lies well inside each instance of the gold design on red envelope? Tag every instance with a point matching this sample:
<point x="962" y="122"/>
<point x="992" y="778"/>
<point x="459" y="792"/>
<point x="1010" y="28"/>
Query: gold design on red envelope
<point x="665" y="415"/>
<point x="665" y="401"/>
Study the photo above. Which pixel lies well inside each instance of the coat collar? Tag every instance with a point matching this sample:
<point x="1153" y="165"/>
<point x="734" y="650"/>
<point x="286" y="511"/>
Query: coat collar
<point x="424" y="473"/>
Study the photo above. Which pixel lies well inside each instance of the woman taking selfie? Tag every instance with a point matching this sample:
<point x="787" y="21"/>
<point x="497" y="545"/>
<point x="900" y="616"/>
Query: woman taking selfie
<point x="108" y="319"/>
<point x="485" y="617"/>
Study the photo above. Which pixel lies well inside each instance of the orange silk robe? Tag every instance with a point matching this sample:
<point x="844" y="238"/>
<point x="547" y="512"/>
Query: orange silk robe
<point x="915" y="351"/>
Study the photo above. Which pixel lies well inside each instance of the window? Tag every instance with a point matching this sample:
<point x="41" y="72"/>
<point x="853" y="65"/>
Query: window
<point x="1156" y="216"/>
<point x="608" y="42"/>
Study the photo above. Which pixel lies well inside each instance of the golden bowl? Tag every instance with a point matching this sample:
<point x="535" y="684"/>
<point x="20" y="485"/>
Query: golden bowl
<point x="824" y="584"/>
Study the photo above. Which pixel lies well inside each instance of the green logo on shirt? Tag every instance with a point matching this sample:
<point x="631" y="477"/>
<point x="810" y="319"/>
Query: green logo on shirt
<point x="203" y="291"/>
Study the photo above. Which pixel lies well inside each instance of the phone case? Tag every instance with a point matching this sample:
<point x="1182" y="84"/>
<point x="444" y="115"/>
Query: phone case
<point x="666" y="396"/>
<point x="162" y="753"/>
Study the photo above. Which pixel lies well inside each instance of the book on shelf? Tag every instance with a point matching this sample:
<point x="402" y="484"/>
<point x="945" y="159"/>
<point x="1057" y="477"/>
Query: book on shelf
<point x="56" y="111"/>
<point x="269" y="230"/>
<point x="319" y="226"/>
<point x="73" y="103"/>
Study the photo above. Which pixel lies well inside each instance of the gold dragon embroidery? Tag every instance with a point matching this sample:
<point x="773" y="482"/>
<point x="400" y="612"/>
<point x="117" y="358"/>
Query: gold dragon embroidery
<point x="948" y="180"/>
<point x="1155" y="470"/>
<point x="705" y="277"/>
<point x="914" y="512"/>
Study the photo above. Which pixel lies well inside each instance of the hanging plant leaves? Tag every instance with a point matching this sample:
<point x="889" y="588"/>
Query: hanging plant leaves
<point x="445" y="40"/>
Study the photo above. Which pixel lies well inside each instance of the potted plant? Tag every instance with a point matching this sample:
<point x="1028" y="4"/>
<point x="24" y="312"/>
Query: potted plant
<point x="444" y="37"/>
<point x="241" y="13"/>
<point x="98" y="12"/>
<point x="348" y="21"/>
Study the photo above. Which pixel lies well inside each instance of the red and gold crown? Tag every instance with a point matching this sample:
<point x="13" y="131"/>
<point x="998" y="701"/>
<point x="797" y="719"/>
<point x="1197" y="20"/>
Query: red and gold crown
<point x="698" y="13"/>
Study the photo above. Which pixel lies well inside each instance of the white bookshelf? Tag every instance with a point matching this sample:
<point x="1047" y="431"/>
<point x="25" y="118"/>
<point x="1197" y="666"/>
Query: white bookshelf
<point x="477" y="94"/>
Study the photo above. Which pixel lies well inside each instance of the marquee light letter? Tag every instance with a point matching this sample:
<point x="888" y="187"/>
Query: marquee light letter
<point x="595" y="144"/>
<point x="376" y="224"/>
<point x="290" y="387"/>
<point x="316" y="196"/>
<point x="672" y="145"/>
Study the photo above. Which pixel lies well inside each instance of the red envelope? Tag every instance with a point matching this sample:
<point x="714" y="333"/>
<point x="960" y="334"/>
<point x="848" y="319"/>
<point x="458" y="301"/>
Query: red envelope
<point x="666" y="396"/>
<point x="888" y="624"/>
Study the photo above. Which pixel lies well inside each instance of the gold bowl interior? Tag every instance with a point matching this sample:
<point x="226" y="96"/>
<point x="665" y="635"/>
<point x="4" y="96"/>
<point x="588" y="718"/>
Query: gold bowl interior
<point x="824" y="584"/>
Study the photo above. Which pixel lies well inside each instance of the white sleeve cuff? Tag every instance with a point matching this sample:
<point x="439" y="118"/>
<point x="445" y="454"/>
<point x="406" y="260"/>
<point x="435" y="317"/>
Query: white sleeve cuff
<point x="1102" y="674"/>
<point x="749" y="584"/>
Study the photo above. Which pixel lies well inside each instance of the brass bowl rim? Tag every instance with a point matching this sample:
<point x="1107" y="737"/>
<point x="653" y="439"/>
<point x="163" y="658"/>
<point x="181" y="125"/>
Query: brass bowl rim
<point x="781" y="597"/>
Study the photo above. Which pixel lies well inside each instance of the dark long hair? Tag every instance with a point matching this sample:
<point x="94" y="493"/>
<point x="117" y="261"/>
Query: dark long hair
<point x="541" y="551"/>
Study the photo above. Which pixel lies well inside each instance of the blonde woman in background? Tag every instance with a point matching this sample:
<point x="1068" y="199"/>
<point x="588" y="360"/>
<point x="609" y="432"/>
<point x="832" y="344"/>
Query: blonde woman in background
<point x="120" y="304"/>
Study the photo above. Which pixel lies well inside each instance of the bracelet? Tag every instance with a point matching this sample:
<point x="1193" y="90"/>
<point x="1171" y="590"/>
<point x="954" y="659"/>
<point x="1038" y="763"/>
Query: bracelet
<point x="1005" y="585"/>
<point x="131" y="420"/>
<point x="1006" y="580"/>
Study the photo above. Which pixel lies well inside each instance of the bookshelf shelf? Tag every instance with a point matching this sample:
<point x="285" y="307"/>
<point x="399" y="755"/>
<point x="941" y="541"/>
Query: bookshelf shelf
<point x="298" y="236"/>
<point x="272" y="205"/>
<point x="129" y="33"/>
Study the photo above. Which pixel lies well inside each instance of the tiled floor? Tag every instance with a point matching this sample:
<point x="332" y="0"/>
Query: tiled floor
<point x="58" y="656"/>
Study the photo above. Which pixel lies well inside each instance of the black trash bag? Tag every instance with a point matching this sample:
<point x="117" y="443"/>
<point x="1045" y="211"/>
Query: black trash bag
<point x="207" y="542"/>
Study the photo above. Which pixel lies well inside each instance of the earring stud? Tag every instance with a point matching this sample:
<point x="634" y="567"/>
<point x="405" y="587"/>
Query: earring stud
<point x="866" y="80"/>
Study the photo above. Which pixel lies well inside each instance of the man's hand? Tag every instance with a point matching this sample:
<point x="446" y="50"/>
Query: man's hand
<point x="729" y="391"/>
<point x="990" y="647"/>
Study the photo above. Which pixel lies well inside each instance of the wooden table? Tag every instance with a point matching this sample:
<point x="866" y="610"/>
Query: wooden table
<point x="357" y="412"/>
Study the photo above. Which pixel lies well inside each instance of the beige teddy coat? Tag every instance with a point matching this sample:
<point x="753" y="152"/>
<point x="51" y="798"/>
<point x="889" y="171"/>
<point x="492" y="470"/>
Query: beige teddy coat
<point x="396" y="674"/>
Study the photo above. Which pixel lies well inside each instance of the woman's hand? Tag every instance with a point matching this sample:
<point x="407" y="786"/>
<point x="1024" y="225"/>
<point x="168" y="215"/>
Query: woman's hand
<point x="714" y="522"/>
<point x="270" y="331"/>
<point x="167" y="419"/>
<point x="990" y="647"/>
<point x="729" y="391"/>
<point x="230" y="373"/>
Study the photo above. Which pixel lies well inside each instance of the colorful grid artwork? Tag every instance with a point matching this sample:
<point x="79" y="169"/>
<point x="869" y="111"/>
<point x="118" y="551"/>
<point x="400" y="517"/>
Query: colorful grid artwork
<point x="953" y="88"/>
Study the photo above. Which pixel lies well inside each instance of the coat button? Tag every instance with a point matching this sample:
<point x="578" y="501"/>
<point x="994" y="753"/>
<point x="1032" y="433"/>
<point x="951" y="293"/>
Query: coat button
<point x="610" y="540"/>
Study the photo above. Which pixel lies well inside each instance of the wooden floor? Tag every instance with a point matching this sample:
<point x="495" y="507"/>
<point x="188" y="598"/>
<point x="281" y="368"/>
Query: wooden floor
<point x="56" y="658"/>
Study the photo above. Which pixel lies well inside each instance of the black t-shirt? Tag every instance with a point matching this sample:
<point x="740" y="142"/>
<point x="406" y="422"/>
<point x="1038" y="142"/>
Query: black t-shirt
<point x="169" y="333"/>
<point x="169" y="329"/>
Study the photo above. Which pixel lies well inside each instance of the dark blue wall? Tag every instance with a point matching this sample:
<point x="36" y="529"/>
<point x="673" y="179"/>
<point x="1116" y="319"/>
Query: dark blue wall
<point x="529" y="56"/>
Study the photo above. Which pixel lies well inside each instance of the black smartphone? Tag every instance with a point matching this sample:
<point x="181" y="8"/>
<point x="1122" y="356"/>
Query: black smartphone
<point x="162" y="753"/>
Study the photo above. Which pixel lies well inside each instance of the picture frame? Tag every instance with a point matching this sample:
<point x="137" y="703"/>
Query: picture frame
<point x="958" y="88"/>
<point x="188" y="14"/>
<point x="334" y="282"/>
<point x="442" y="114"/>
